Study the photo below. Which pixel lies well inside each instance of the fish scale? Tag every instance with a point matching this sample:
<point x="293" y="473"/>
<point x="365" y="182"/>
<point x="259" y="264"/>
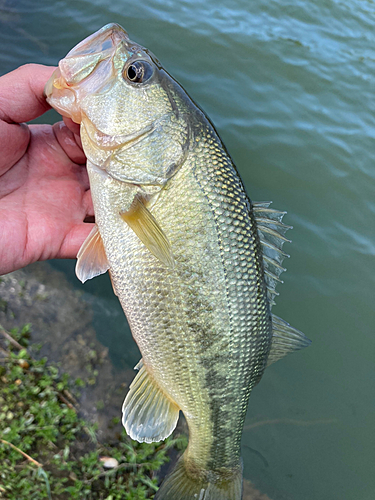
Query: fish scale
<point x="224" y="354"/>
<point x="193" y="262"/>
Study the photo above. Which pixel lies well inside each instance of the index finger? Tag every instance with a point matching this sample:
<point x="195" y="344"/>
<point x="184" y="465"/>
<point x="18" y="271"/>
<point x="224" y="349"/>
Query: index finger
<point x="21" y="93"/>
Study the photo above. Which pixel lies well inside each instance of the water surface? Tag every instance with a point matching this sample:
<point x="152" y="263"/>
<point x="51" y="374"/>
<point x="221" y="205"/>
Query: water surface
<point x="289" y="84"/>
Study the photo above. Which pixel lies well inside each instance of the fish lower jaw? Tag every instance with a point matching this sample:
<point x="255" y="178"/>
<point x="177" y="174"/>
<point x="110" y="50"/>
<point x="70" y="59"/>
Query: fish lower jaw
<point x="113" y="142"/>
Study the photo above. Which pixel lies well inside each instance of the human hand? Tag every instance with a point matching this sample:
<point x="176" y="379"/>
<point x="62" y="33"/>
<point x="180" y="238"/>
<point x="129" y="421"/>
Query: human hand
<point x="44" y="187"/>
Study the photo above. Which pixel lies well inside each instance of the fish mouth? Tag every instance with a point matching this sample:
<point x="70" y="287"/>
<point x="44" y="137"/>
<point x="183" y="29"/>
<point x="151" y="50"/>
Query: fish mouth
<point x="102" y="41"/>
<point x="85" y="57"/>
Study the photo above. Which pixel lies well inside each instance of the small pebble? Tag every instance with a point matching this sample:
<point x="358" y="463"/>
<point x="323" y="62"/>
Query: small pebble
<point x="108" y="462"/>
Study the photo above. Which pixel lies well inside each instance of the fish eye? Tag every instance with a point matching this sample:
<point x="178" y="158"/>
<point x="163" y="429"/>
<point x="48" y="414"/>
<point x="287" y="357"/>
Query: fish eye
<point x="138" y="72"/>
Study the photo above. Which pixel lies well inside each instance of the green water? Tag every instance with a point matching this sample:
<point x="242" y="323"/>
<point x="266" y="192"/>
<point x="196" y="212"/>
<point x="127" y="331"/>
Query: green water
<point x="289" y="85"/>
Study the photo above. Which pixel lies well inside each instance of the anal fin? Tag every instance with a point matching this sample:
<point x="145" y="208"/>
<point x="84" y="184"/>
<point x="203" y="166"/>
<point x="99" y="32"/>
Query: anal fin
<point x="148" y="414"/>
<point x="146" y="227"/>
<point x="285" y="339"/>
<point x="91" y="258"/>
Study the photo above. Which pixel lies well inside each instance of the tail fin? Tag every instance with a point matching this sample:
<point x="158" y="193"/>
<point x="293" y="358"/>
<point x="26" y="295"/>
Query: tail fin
<point x="179" y="485"/>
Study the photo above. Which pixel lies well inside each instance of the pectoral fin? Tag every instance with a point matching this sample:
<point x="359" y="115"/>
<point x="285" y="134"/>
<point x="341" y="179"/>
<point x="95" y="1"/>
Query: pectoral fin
<point x="148" y="415"/>
<point x="285" y="339"/>
<point x="91" y="258"/>
<point x="145" y="226"/>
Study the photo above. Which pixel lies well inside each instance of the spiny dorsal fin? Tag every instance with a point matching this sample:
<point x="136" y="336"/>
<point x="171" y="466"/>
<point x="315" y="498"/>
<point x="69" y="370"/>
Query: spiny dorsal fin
<point x="271" y="232"/>
<point x="91" y="257"/>
<point x="145" y="226"/>
<point x="148" y="415"/>
<point x="285" y="339"/>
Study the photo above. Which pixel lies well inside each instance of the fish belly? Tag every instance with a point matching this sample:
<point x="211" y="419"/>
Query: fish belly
<point x="203" y="327"/>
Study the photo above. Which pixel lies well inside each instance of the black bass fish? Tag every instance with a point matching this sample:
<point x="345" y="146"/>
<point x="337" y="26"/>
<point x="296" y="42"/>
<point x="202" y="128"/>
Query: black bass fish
<point x="193" y="261"/>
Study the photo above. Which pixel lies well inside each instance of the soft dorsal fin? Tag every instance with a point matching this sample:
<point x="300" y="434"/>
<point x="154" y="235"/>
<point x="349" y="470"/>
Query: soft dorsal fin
<point x="148" y="414"/>
<point x="146" y="227"/>
<point x="271" y="232"/>
<point x="285" y="339"/>
<point x="91" y="257"/>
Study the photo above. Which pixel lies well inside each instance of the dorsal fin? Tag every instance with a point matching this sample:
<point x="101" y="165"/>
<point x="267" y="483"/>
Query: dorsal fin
<point x="285" y="339"/>
<point x="271" y="232"/>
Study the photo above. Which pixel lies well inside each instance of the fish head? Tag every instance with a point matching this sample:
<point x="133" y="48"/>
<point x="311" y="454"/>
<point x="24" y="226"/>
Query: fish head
<point x="134" y="116"/>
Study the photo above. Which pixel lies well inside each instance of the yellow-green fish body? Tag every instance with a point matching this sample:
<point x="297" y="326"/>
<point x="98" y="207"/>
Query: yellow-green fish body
<point x="187" y="254"/>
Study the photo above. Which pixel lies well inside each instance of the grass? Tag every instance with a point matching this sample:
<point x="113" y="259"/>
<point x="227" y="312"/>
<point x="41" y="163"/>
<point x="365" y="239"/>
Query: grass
<point x="48" y="451"/>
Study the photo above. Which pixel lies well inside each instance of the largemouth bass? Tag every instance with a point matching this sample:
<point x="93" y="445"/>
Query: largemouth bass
<point x="193" y="261"/>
